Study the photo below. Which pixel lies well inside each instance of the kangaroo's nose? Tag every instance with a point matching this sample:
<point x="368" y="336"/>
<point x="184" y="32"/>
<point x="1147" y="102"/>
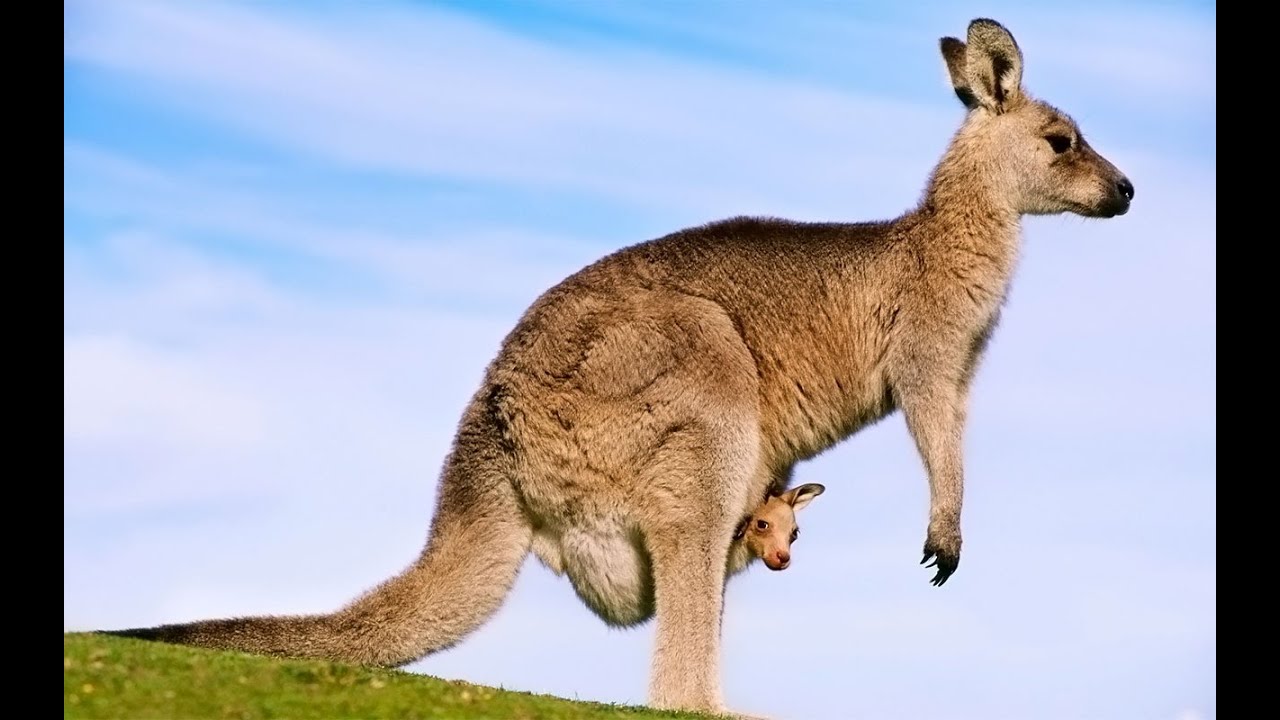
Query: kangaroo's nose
<point x="784" y="558"/>
<point x="1125" y="187"/>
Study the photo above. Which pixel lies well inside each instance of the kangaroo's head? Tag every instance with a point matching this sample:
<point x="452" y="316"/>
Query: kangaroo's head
<point x="771" y="528"/>
<point x="1024" y="153"/>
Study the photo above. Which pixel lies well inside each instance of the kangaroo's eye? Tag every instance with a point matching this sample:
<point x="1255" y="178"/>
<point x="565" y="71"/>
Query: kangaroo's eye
<point x="1059" y="143"/>
<point x="795" y="534"/>
<point x="762" y="524"/>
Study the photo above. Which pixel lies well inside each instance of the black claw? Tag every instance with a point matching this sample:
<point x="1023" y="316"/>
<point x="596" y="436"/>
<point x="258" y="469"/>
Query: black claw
<point x="946" y="566"/>
<point x="944" y="561"/>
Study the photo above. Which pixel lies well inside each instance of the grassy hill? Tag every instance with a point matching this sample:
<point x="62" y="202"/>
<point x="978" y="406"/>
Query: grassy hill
<point x="108" y="677"/>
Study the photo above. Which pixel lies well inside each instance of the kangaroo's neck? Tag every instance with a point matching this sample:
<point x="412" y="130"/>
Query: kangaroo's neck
<point x="965" y="207"/>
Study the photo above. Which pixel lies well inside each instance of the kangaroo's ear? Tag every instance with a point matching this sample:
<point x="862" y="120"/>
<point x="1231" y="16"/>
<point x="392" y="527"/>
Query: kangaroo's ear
<point x="953" y="54"/>
<point x="800" y="496"/>
<point x="992" y="65"/>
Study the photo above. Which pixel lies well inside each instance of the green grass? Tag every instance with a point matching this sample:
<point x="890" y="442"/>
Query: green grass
<point x="109" y="677"/>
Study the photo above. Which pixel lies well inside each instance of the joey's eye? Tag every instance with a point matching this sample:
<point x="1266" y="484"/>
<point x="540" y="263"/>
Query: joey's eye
<point x="1059" y="143"/>
<point x="762" y="524"/>
<point x="795" y="534"/>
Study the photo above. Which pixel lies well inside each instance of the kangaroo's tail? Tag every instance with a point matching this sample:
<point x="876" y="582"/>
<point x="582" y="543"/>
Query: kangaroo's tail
<point x="478" y="540"/>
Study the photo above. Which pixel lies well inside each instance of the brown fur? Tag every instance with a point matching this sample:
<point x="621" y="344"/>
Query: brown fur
<point x="639" y="407"/>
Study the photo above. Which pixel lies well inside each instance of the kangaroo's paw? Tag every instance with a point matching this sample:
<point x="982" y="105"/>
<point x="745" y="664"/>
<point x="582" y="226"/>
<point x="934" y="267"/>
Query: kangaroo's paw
<point x="943" y="546"/>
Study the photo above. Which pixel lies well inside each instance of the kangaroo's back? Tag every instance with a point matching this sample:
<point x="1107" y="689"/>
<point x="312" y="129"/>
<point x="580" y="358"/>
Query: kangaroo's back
<point x="813" y="303"/>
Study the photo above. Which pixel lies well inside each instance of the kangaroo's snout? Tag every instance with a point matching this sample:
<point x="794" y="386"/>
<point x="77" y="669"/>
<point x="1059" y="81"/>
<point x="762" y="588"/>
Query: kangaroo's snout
<point x="1125" y="187"/>
<point x="778" y="560"/>
<point x="1123" y="196"/>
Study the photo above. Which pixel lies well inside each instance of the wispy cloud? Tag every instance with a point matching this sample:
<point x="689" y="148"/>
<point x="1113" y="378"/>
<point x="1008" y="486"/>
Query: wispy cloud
<point x="434" y="262"/>
<point x="442" y="94"/>
<point x="1133" y="53"/>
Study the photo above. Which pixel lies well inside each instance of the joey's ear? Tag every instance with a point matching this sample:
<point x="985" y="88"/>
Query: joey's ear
<point x="800" y="496"/>
<point x="992" y="65"/>
<point x="953" y="55"/>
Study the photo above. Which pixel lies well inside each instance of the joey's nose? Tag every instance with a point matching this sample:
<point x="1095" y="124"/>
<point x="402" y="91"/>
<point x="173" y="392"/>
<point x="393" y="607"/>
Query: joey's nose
<point x="1125" y="188"/>
<point x="781" y="560"/>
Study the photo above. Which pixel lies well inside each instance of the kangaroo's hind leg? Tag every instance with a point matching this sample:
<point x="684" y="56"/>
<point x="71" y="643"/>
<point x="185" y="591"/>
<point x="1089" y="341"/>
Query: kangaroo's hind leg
<point x="698" y="485"/>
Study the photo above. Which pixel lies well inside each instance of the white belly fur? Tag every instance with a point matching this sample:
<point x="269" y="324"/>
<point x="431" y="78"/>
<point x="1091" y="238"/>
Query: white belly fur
<point x="610" y="569"/>
<point x="607" y="565"/>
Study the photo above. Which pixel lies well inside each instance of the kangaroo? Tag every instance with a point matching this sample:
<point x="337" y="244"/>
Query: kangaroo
<point x="642" y="405"/>
<point x="769" y="531"/>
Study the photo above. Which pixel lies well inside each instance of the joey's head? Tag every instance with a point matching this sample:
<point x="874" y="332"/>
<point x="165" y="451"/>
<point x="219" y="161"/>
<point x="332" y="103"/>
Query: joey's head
<point x="771" y="528"/>
<point x="1025" y="154"/>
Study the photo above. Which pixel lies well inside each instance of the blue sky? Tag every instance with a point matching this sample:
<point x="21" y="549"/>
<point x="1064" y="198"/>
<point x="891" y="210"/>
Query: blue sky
<point x="294" y="233"/>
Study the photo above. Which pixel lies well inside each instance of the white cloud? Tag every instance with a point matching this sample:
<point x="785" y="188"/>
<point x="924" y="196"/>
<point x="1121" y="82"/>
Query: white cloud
<point x="102" y="411"/>
<point x="370" y="90"/>
<point x="1150" y="55"/>
<point x="1170" y="61"/>
<point x="519" y="263"/>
